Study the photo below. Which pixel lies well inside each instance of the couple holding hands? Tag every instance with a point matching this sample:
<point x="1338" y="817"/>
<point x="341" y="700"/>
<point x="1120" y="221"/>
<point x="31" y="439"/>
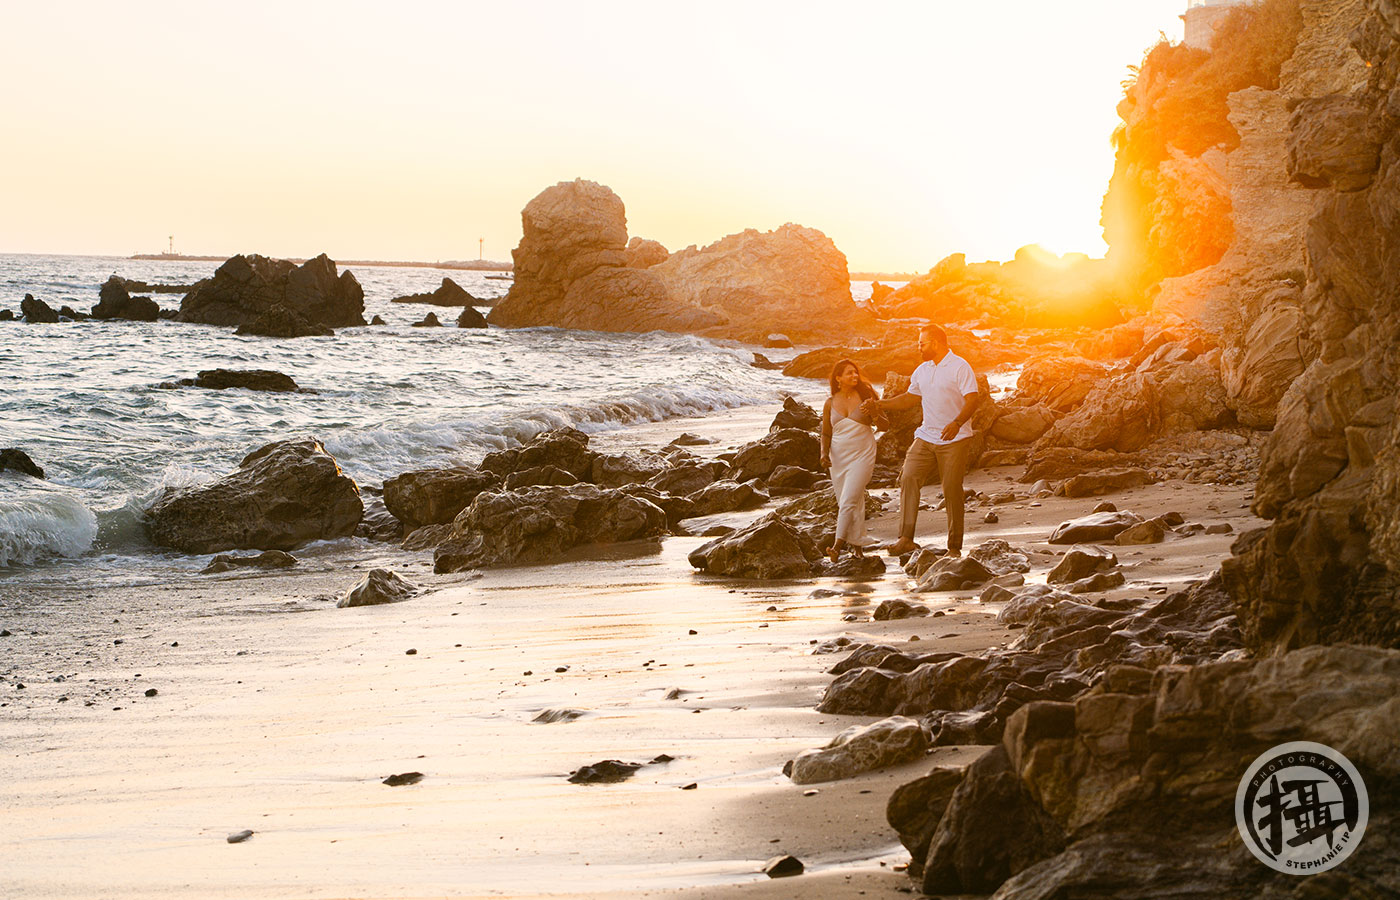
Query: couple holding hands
<point x="946" y="386"/>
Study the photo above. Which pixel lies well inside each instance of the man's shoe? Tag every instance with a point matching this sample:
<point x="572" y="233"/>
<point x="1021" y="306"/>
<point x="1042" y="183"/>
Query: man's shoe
<point x="901" y="547"/>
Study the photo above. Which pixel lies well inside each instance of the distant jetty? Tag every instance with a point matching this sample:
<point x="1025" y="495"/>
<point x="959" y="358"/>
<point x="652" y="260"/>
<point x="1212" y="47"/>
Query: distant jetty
<point x="480" y="265"/>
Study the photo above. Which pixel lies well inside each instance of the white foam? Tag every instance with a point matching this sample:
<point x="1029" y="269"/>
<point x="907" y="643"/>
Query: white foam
<point x="38" y="521"/>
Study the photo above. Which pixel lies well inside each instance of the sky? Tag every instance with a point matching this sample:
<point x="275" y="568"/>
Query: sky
<point x="366" y="130"/>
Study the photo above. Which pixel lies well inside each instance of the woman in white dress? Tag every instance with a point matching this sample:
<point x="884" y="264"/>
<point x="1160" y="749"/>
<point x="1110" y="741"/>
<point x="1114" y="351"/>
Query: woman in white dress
<point x="848" y="449"/>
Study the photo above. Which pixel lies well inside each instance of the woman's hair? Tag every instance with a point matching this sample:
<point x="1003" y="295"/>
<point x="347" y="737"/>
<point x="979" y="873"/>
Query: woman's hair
<point x="863" y="387"/>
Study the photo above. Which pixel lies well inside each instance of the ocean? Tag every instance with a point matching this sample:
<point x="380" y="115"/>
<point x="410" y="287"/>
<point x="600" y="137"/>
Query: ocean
<point x="86" y="400"/>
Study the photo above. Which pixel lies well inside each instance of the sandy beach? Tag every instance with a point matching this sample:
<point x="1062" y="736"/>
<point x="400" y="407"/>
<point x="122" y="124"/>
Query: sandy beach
<point x="276" y="712"/>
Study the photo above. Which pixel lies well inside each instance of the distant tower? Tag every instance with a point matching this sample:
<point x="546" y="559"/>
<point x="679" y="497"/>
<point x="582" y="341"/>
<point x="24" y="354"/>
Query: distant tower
<point x="171" y="251"/>
<point x="1202" y="17"/>
<point x="480" y="247"/>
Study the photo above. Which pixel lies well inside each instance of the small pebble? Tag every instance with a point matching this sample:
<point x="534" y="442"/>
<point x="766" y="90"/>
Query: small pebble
<point x="689" y="787"/>
<point x="410" y="652"/>
<point x="151" y="692"/>
<point x="693" y="631"/>
<point x="239" y="837"/>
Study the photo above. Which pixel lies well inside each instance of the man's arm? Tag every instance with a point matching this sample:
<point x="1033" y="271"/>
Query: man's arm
<point x="905" y="400"/>
<point x="969" y="406"/>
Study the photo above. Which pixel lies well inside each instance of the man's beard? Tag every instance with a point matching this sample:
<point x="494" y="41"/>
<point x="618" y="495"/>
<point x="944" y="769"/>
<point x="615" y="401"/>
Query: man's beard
<point x="926" y="353"/>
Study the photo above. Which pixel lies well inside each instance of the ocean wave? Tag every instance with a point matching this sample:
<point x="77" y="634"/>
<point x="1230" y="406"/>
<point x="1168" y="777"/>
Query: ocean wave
<point x="38" y="521"/>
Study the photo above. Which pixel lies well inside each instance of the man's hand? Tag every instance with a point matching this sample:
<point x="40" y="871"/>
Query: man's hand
<point x="870" y="407"/>
<point x="950" y="431"/>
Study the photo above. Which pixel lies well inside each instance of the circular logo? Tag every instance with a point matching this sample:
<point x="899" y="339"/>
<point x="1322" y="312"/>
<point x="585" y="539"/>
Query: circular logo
<point x="1301" y="808"/>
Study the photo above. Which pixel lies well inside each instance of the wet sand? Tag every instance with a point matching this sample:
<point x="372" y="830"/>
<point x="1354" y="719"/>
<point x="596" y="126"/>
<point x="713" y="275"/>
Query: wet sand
<point x="278" y="713"/>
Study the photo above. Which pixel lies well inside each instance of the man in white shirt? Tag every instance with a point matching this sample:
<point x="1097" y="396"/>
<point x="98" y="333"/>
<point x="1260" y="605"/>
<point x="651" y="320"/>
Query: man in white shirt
<point x="946" y="386"/>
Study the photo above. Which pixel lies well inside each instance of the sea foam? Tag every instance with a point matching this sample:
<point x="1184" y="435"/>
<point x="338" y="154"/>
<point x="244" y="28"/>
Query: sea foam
<point x="38" y="521"/>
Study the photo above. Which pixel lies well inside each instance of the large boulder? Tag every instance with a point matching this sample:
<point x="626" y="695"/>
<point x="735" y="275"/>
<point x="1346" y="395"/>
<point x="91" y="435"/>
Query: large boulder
<point x="115" y="303"/>
<point x="449" y="293"/>
<point x="435" y="496"/>
<point x="563" y="448"/>
<point x="284" y="495"/>
<point x="539" y="524"/>
<point x="1058" y="382"/>
<point x="37" y="312"/>
<point x="1023" y="424"/>
<point x="768" y="548"/>
<point x="247" y="379"/>
<point x="642" y="253"/>
<point x="471" y="318"/>
<point x="1256" y="374"/>
<point x="786" y="447"/>
<point x="862" y="748"/>
<point x="276" y="297"/>
<point x="1119" y="414"/>
<point x="727" y="496"/>
<point x="1104" y="526"/>
<point x="17" y="460"/>
<point x="379" y="586"/>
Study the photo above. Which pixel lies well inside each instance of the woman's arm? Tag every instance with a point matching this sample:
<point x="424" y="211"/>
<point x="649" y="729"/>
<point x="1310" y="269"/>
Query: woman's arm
<point x="826" y="434"/>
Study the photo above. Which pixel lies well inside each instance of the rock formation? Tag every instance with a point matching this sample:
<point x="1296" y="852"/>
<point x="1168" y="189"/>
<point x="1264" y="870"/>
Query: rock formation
<point x="37" y="312"/>
<point x="115" y="303"/>
<point x="276" y="297"/>
<point x="449" y="293"/>
<point x="574" y="269"/>
<point x="284" y="495"/>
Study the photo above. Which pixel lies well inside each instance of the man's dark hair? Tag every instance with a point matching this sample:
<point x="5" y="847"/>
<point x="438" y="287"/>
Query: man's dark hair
<point x="935" y="330"/>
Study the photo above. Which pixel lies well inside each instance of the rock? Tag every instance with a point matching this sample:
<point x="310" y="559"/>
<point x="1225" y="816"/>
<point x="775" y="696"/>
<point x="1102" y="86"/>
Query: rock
<point x="1001" y="558"/>
<point x="608" y="771"/>
<point x="899" y="609"/>
<point x="1094" y="527"/>
<point x="783" y="867"/>
<point x="687" y="439"/>
<point x="449" y="293"/>
<point x="1099" y="581"/>
<point x="115" y="303"/>
<point x="1027" y="602"/>
<point x="17" y="460"/>
<point x="954" y="574"/>
<point x="991" y="518"/>
<point x="37" y="312"/>
<point x="283" y="495"/>
<point x="427" y="537"/>
<point x="239" y="837"/>
<point x="1149" y="532"/>
<point x="283" y="322"/>
<point x="1270" y="357"/>
<point x="762" y="362"/>
<point x="268" y="559"/>
<point x="915" y="808"/>
<point x="768" y="548"/>
<point x="727" y="496"/>
<point x="788" y="447"/>
<point x="642" y="253"/>
<point x="378" y="524"/>
<point x="564" y="448"/>
<point x="793" y="479"/>
<point x="1118" y="414"/>
<point x="435" y="496"/>
<point x="851" y="566"/>
<point x="862" y="748"/>
<point x="616" y="470"/>
<point x="1058" y="463"/>
<point x="778" y="341"/>
<point x="684" y="480"/>
<point x="248" y="379"/>
<point x="1333" y="142"/>
<point x="1192" y="396"/>
<point x="378" y="320"/>
<point x="7" y="315"/>
<point x="1219" y="528"/>
<point x="551" y="475"/>
<point x="1106" y="481"/>
<point x="1105" y="506"/>
<point x="403" y="778"/>
<point x="429" y="321"/>
<point x="1023" y="424"/>
<point x="923" y="559"/>
<point x="276" y="297"/>
<point x="875" y="362"/>
<point x="470" y="318"/>
<point x="1057" y="383"/>
<point x="796" y="414"/>
<point x="1079" y="563"/>
<point x="379" y="586"/>
<point x="538" y="524"/>
<point x="550" y="716"/>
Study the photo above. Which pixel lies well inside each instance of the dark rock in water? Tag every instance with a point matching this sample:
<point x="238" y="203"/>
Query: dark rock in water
<point x="1106" y="482"/>
<point x="762" y="362"/>
<point x="727" y="496"/>
<point x="37" y="312"/>
<point x="71" y="314"/>
<point x="133" y="284"/>
<point x="283" y="495"/>
<point x="783" y="867"/>
<point x="538" y="524"/>
<point x="268" y="559"/>
<point x="403" y="778"/>
<point x="429" y="321"/>
<point x="115" y="303"/>
<point x="915" y="808"/>
<point x="796" y="414"/>
<point x="1080" y="563"/>
<point x="7" y="315"/>
<point x="608" y="771"/>
<point x="449" y="293"/>
<point x="16" y="459"/>
<point x="379" y="586"/>
<point x="283" y="322"/>
<point x="378" y="320"/>
<point x="992" y="829"/>
<point x="1094" y="527"/>
<point x="434" y="496"/>
<point x="248" y="379"/>
<point x="239" y="837"/>
<point x="470" y="318"/>
<point x="276" y="297"/>
<point x="852" y="566"/>
<point x="539" y="475"/>
<point x="788" y="447"/>
<point x="898" y="609"/>
<point x="565" y="448"/>
<point x="768" y="548"/>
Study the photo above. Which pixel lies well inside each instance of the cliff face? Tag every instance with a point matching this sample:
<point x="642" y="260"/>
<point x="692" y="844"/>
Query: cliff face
<point x="1328" y="568"/>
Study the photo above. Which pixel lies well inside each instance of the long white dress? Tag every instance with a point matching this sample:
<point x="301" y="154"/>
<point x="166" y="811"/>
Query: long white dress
<point x="852" y="462"/>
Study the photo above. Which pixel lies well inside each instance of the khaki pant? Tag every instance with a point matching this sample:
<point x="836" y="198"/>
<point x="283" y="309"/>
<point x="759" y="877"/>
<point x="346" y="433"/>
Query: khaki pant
<point x="951" y="460"/>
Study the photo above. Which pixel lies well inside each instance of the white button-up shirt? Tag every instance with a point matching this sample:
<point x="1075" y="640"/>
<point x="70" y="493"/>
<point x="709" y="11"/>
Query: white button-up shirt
<point x="942" y="386"/>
